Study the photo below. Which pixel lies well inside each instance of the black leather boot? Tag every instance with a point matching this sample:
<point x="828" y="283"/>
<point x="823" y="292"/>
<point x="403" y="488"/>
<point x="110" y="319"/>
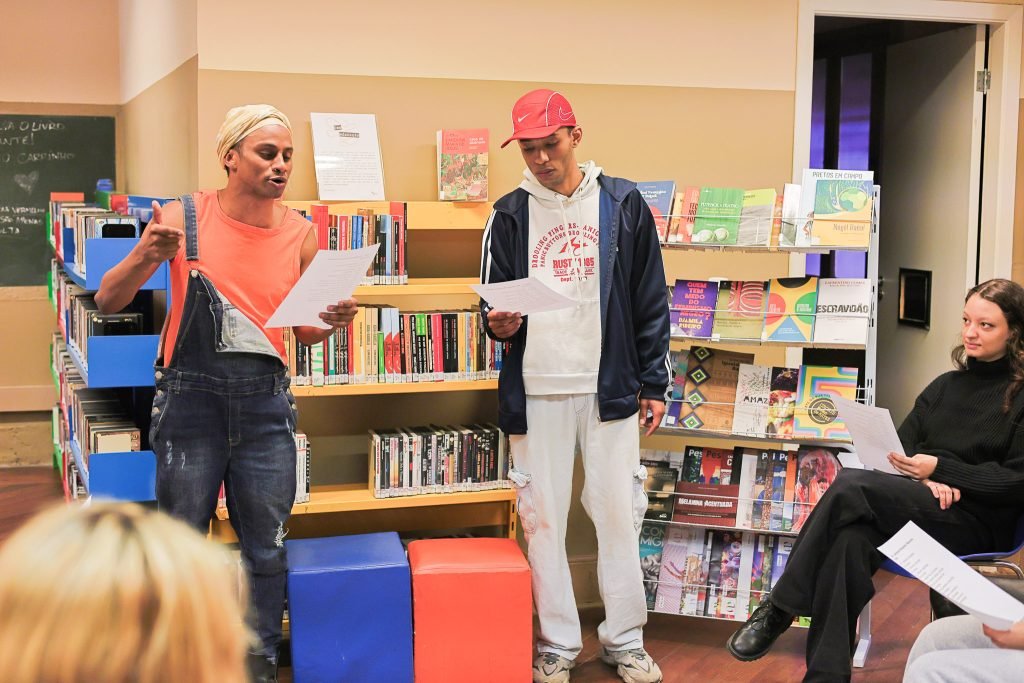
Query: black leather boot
<point x="756" y="637"/>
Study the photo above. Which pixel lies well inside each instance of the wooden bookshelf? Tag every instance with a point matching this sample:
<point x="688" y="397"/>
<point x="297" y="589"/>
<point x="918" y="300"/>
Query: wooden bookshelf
<point x="396" y="388"/>
<point x="443" y="254"/>
<point x="346" y="508"/>
<point x="421" y="215"/>
<point x="429" y="286"/>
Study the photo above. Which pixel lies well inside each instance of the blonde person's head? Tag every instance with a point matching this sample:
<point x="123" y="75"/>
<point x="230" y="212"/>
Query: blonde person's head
<point x="115" y="593"/>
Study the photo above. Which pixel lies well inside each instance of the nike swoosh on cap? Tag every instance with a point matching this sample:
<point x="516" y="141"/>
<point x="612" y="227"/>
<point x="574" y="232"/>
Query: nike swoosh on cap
<point x="520" y="119"/>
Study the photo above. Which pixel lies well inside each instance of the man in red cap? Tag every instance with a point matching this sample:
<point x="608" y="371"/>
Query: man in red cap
<point x="580" y="377"/>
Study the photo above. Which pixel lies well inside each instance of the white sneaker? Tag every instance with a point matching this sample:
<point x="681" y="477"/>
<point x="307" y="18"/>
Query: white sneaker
<point x="549" y="667"/>
<point x="633" y="666"/>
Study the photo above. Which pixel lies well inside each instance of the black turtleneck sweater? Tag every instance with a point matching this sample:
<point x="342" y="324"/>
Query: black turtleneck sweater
<point x="959" y="418"/>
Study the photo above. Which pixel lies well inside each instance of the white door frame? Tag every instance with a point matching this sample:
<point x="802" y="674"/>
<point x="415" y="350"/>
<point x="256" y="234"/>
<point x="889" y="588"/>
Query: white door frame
<point x="1001" y="143"/>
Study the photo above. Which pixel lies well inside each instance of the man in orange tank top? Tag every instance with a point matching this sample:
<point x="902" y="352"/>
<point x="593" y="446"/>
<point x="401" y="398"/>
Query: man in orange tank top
<point x="223" y="410"/>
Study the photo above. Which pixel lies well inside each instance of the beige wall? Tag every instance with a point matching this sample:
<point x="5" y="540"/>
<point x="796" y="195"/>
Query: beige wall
<point x="159" y="129"/>
<point x="156" y="37"/>
<point x="59" y="51"/>
<point x="738" y="44"/>
<point x="709" y="136"/>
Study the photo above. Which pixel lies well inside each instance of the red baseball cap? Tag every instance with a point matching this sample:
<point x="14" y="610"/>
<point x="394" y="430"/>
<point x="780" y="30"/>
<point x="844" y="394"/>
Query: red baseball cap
<point x="538" y="114"/>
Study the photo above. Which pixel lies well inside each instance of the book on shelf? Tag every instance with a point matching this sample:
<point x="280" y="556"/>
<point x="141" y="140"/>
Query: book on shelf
<point x="843" y="310"/>
<point x="816" y="415"/>
<point x="753" y="389"/>
<point x="782" y="398"/>
<point x="303" y="456"/>
<point x="709" y="393"/>
<point x="692" y="313"/>
<point x="433" y="459"/>
<point x="659" y="485"/>
<point x="780" y="465"/>
<point x="652" y="542"/>
<point x="691" y="470"/>
<point x="678" y="360"/>
<point x="383" y="345"/>
<point x="718" y="216"/>
<point x="760" y="570"/>
<point x="761" y="492"/>
<point x="659" y="195"/>
<point x="842" y="202"/>
<point x="817" y="467"/>
<point x="790" y="309"/>
<point x="709" y="495"/>
<point x="740" y="310"/>
<point x="462" y="159"/>
<point x="366" y="227"/>
<point x="780" y="557"/>
<point x="756" y="215"/>
<point x="671" y="571"/>
<point x="685" y="214"/>
<point x="794" y="231"/>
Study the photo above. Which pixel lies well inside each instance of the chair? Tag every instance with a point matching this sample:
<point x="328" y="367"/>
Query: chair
<point x="998" y="559"/>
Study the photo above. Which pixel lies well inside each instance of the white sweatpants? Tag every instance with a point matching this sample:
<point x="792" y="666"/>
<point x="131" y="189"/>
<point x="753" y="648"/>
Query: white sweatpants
<point x="613" y="496"/>
<point x="956" y="650"/>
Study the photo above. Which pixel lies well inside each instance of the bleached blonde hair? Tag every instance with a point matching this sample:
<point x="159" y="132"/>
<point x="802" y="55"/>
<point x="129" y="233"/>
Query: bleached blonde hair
<point x="116" y="593"/>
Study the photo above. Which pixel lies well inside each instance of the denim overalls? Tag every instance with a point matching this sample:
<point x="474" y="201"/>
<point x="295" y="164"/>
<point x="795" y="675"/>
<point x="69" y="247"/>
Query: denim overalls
<point x="223" y="412"/>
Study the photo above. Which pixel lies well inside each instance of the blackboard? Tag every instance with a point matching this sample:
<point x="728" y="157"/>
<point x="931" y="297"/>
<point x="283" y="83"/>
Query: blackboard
<point x="40" y="155"/>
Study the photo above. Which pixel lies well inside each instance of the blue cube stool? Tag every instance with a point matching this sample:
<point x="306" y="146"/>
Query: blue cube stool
<point x="350" y="608"/>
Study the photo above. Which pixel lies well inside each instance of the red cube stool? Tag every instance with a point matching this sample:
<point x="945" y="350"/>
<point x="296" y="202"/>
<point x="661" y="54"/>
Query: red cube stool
<point x="472" y="611"/>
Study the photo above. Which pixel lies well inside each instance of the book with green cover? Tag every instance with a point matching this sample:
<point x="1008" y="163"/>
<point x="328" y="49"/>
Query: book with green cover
<point x="718" y="215"/>
<point x="755" y="227"/>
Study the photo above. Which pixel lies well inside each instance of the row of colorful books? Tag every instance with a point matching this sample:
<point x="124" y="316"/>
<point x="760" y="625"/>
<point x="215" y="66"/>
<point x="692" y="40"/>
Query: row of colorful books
<point x="743" y="488"/>
<point x="784" y="310"/>
<point x="433" y="459"/>
<point x="365" y="229"/>
<point x="80" y="318"/>
<point x="724" y="392"/>
<point x="711" y="573"/>
<point x="111" y="215"/>
<point x="828" y="209"/>
<point x="95" y="419"/>
<point x="383" y="345"/>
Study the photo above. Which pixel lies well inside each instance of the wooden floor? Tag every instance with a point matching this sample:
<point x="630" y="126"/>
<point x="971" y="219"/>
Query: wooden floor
<point x="687" y="648"/>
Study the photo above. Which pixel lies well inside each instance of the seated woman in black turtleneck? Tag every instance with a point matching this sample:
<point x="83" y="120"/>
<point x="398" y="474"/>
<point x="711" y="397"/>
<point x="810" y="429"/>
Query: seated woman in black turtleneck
<point x="964" y="486"/>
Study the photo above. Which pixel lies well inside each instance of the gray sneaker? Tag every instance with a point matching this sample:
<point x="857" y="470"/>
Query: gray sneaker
<point x="549" y="667"/>
<point x="633" y="666"/>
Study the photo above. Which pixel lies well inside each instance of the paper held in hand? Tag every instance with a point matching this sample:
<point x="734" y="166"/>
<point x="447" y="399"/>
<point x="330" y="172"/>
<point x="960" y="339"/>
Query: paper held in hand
<point x="873" y="433"/>
<point x="331" y="277"/>
<point x="524" y="296"/>
<point x="925" y="558"/>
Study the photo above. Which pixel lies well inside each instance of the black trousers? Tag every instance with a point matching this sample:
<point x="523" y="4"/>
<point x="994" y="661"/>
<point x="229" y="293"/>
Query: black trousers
<point x="828" y="576"/>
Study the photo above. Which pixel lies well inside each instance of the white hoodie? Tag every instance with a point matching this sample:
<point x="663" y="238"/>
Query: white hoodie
<point x="563" y="348"/>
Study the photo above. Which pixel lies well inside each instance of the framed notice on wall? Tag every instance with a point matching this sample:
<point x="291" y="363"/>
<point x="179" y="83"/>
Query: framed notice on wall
<point x="346" y="154"/>
<point x="40" y="155"/>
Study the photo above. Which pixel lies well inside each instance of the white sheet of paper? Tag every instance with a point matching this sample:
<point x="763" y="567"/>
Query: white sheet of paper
<point x="346" y="156"/>
<point x="926" y="559"/>
<point x="527" y="295"/>
<point x="332" y="276"/>
<point x="873" y="433"/>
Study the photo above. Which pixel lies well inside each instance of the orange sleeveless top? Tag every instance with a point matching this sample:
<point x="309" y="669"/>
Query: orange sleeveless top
<point x="253" y="268"/>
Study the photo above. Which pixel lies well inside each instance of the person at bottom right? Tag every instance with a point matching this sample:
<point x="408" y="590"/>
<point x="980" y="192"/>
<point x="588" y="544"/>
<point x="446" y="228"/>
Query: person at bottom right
<point x="963" y="650"/>
<point x="964" y="485"/>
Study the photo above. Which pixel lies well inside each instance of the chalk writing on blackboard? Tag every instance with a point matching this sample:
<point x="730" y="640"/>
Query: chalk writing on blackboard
<point x="40" y="155"/>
